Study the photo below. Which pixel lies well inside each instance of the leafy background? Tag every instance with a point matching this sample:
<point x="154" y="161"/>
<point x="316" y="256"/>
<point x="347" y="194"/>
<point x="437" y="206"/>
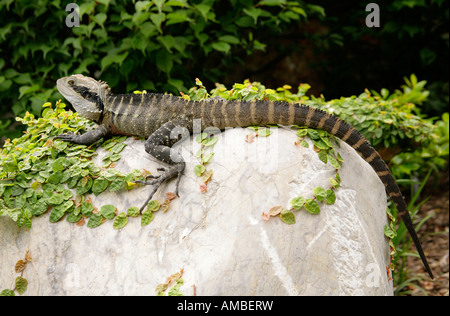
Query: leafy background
<point x="389" y="82"/>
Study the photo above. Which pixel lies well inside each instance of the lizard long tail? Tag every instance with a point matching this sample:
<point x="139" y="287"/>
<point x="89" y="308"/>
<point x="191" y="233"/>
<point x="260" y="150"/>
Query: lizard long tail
<point x="315" y="118"/>
<point x="223" y="114"/>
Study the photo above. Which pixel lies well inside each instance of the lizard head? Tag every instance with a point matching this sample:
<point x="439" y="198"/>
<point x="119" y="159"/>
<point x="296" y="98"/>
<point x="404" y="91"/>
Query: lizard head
<point x="86" y="94"/>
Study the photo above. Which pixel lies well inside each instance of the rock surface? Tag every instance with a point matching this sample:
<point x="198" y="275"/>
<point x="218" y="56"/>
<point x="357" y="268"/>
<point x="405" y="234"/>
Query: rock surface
<point x="219" y="237"/>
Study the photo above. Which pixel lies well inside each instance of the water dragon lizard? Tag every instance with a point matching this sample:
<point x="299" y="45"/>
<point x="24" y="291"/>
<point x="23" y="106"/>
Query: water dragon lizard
<point x="155" y="116"/>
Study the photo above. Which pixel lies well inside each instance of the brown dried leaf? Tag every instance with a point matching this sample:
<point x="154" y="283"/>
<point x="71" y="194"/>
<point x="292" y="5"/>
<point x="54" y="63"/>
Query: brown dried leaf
<point x="145" y="173"/>
<point x="161" y="287"/>
<point x="207" y="176"/>
<point x="20" y="266"/>
<point x="171" y="196"/>
<point x="81" y="222"/>
<point x="250" y="138"/>
<point x="165" y="206"/>
<point x="276" y="210"/>
<point x="265" y="216"/>
<point x="203" y="188"/>
<point x="28" y="256"/>
<point x="174" y="277"/>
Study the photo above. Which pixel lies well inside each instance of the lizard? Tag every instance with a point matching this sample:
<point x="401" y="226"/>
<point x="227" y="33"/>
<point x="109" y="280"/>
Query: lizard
<point x="157" y="117"/>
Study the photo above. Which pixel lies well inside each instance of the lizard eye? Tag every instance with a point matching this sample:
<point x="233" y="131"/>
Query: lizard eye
<point x="71" y="82"/>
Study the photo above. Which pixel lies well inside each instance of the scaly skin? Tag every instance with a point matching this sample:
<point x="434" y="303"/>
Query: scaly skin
<point x="156" y="116"/>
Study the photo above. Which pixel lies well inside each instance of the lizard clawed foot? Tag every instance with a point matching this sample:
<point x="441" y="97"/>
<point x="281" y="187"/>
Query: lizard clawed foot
<point x="69" y="137"/>
<point x="152" y="182"/>
<point x="175" y="170"/>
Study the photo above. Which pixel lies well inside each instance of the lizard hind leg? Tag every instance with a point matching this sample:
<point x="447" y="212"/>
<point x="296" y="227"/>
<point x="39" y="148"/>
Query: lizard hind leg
<point x="159" y="145"/>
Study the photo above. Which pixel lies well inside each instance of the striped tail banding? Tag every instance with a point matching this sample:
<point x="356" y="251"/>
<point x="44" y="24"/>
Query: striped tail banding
<point x="319" y="119"/>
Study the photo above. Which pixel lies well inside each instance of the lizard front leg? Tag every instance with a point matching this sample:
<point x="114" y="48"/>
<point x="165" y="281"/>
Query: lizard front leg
<point x="87" y="138"/>
<point x="159" y="146"/>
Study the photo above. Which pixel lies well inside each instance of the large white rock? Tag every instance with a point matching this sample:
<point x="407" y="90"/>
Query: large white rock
<point x="219" y="237"/>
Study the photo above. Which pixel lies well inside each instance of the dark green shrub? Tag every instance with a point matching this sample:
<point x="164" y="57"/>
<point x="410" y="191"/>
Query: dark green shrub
<point x="154" y="45"/>
<point x="412" y="38"/>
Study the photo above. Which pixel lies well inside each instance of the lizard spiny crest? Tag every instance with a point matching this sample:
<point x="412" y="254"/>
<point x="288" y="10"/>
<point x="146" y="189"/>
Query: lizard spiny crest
<point x="86" y="94"/>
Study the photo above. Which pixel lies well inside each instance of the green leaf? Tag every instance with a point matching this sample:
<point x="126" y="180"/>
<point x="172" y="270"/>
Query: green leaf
<point x="56" y="214"/>
<point x="117" y="148"/>
<point x="334" y="162"/>
<point x="157" y="19"/>
<point x="120" y="221"/>
<point x="117" y="184"/>
<point x="57" y="165"/>
<point x="99" y="18"/>
<point x="108" y="211"/>
<point x="66" y="205"/>
<point x="320" y="193"/>
<point x="210" y="141"/>
<point x="133" y="211"/>
<point x="177" y="83"/>
<point x="147" y="217"/>
<point x="94" y="221"/>
<point x="164" y="61"/>
<point x="313" y="134"/>
<point x="378" y="132"/>
<point x="326" y="140"/>
<point x="27" y="90"/>
<point x="320" y="144"/>
<point x="206" y="158"/>
<point x="55" y="178"/>
<point x="200" y="137"/>
<point x="99" y="185"/>
<point x="388" y="232"/>
<point x="168" y="41"/>
<point x="302" y="132"/>
<point x="221" y="46"/>
<point x="148" y="29"/>
<point x="176" y="17"/>
<point x="254" y="13"/>
<point x="323" y="156"/>
<point x="7" y="292"/>
<point x="199" y="169"/>
<point x="331" y="197"/>
<point x="312" y="206"/>
<point x="229" y="39"/>
<point x="153" y="206"/>
<point x="39" y="208"/>
<point x="263" y="132"/>
<point x="304" y="143"/>
<point x="86" y="209"/>
<point x="21" y="285"/>
<point x="84" y="185"/>
<point x="287" y="216"/>
<point x="54" y="198"/>
<point x="272" y="2"/>
<point x="113" y="58"/>
<point x="298" y="202"/>
<point x="73" y="217"/>
<point x="203" y="9"/>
